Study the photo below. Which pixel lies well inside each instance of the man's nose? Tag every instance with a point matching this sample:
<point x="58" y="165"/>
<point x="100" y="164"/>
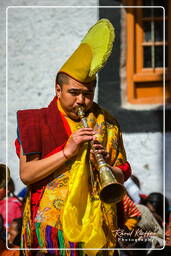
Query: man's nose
<point x="80" y="99"/>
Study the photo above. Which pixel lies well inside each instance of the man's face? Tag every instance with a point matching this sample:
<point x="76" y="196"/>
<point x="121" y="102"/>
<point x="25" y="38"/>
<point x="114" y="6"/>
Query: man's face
<point x="74" y="94"/>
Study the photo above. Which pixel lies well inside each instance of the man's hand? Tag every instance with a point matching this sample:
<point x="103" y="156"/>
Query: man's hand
<point x="118" y="174"/>
<point x="99" y="149"/>
<point x="76" y="139"/>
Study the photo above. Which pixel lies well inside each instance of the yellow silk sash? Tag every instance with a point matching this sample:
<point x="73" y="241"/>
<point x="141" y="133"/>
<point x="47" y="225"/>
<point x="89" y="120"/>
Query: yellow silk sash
<point x="82" y="217"/>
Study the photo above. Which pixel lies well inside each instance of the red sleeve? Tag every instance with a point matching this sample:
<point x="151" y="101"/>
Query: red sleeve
<point x="126" y="169"/>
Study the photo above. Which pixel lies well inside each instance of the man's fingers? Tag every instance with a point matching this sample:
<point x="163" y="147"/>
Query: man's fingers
<point x="98" y="146"/>
<point x="82" y="133"/>
<point x="85" y="129"/>
<point x="86" y="138"/>
<point x="101" y="151"/>
<point x="82" y="137"/>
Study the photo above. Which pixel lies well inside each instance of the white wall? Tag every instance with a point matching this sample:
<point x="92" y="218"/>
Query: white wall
<point x="150" y="157"/>
<point x="144" y="152"/>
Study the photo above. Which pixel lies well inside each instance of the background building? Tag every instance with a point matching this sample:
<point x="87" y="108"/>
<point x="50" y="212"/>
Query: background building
<point x="39" y="39"/>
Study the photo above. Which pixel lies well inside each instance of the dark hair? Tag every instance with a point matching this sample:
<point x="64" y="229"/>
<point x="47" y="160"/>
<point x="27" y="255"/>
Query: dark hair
<point x="17" y="239"/>
<point x="1" y="223"/>
<point x="157" y="199"/>
<point x="136" y="181"/>
<point x="2" y="229"/>
<point x="11" y="187"/>
<point x="61" y="79"/>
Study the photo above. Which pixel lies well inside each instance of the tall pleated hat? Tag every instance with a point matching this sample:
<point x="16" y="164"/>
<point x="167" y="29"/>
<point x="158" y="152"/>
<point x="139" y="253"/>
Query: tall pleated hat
<point x="92" y="53"/>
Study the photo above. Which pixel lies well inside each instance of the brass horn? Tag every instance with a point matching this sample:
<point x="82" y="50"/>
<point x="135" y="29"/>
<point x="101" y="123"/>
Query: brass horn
<point x="111" y="190"/>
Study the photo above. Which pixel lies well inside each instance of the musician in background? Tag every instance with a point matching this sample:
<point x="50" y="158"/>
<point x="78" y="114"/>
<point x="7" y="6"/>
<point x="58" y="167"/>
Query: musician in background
<point x="63" y="209"/>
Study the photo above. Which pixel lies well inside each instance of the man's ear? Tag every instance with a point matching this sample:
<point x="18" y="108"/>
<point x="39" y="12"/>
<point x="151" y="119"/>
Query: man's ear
<point x="58" y="91"/>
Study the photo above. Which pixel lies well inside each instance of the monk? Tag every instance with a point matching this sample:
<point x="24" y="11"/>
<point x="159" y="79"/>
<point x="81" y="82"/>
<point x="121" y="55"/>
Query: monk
<point x="63" y="212"/>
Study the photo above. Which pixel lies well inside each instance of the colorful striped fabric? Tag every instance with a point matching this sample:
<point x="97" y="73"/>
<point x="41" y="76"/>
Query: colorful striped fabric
<point x="52" y="237"/>
<point x="130" y="208"/>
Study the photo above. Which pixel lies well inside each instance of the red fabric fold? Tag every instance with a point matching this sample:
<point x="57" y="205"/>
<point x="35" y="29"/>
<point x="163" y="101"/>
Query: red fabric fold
<point x="41" y="130"/>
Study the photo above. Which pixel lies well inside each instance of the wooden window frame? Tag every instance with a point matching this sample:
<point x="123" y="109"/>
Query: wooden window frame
<point x="144" y="85"/>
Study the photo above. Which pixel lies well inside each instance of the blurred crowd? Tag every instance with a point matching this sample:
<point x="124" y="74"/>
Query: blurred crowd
<point x="146" y="231"/>
<point x="152" y="232"/>
<point x="11" y="209"/>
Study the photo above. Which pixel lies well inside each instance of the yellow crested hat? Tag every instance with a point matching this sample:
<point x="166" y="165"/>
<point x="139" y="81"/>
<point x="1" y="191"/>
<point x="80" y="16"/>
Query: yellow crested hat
<point x="92" y="53"/>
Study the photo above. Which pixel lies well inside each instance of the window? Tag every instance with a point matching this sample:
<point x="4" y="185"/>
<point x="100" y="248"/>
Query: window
<point x="145" y="47"/>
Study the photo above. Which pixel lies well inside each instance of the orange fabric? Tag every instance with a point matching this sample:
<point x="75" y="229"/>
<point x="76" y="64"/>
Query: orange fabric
<point x="66" y="125"/>
<point x="5" y="252"/>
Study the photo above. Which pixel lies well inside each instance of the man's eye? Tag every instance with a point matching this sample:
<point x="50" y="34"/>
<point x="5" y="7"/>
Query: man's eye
<point x="74" y="93"/>
<point x="88" y="94"/>
<point x="85" y="94"/>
